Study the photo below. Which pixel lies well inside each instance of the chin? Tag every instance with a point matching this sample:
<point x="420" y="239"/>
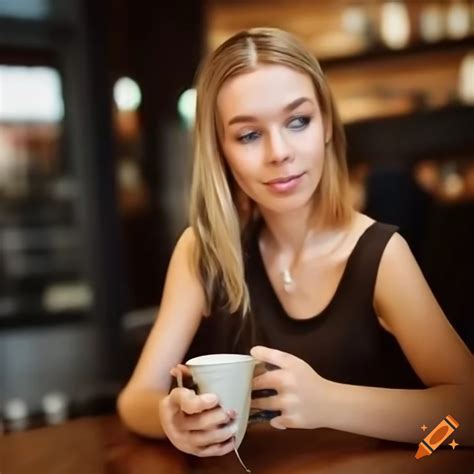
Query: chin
<point x="287" y="204"/>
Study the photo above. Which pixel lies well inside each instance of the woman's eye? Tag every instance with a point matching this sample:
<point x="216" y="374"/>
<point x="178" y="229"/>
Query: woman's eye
<point x="248" y="137"/>
<point x="299" y="123"/>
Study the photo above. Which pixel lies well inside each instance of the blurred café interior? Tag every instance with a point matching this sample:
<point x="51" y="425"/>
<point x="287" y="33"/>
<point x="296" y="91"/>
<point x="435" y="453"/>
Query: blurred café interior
<point x="96" y="117"/>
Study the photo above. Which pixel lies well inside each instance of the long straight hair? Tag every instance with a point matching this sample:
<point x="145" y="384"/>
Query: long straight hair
<point x="220" y="213"/>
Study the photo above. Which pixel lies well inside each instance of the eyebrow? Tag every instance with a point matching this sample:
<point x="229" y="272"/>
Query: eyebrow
<point x="288" y="108"/>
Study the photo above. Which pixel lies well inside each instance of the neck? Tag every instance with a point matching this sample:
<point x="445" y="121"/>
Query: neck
<point x="294" y="236"/>
<point x="288" y="232"/>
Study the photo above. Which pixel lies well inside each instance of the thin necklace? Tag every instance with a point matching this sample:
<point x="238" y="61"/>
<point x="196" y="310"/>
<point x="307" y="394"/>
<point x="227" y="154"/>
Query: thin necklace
<point x="286" y="275"/>
<point x="287" y="280"/>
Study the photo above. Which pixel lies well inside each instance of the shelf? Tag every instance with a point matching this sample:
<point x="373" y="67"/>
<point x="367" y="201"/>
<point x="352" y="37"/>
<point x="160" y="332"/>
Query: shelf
<point x="382" y="53"/>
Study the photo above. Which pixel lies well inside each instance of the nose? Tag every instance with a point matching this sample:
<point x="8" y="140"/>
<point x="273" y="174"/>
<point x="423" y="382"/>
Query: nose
<point x="278" y="150"/>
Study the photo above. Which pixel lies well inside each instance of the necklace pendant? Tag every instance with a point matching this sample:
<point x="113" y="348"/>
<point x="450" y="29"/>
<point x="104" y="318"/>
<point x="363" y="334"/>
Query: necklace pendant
<point x="287" y="279"/>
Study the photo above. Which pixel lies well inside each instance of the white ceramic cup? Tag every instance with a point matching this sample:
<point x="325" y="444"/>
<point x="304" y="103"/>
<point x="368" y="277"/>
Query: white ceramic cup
<point x="229" y="376"/>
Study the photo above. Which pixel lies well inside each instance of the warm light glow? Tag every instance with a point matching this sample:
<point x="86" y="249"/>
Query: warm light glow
<point x="432" y="23"/>
<point x="395" y="25"/>
<point x="453" y="185"/>
<point x="355" y="20"/>
<point x="466" y="79"/>
<point x="458" y="21"/>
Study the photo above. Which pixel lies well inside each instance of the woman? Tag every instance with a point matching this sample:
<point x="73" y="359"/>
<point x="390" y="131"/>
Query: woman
<point x="335" y="300"/>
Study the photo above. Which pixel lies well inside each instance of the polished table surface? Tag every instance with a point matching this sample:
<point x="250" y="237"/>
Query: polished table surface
<point x="101" y="445"/>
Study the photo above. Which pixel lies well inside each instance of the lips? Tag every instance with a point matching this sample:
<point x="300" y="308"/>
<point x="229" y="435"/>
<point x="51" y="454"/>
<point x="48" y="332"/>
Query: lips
<point x="285" y="185"/>
<point x="284" y="179"/>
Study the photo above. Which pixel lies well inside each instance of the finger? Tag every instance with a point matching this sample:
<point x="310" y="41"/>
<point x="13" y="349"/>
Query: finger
<point x="272" y="356"/>
<point x="209" y="419"/>
<point x="181" y="369"/>
<point x="208" y="437"/>
<point x="174" y="372"/>
<point x="178" y="395"/>
<point x="278" y="423"/>
<point x="259" y="368"/>
<point x="179" y="372"/>
<point x="268" y="380"/>
<point x="267" y="403"/>
<point x="184" y="370"/>
<point x="198" y="403"/>
<point x="217" y="449"/>
<point x="187" y="401"/>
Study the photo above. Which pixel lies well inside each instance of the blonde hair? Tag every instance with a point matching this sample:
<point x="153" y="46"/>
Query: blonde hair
<point x="218" y="214"/>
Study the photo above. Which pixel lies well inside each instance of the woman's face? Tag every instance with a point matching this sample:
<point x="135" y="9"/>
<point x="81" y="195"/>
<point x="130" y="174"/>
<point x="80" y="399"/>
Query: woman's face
<point x="273" y="136"/>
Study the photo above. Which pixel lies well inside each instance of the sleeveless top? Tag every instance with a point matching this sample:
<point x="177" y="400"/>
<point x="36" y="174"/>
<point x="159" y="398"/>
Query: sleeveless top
<point x="344" y="343"/>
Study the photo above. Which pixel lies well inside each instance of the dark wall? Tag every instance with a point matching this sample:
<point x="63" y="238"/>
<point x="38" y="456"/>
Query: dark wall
<point x="439" y="233"/>
<point x="440" y="133"/>
<point x="159" y="45"/>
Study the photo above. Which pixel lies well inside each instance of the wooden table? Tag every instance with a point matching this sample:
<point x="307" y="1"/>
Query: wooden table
<point x="101" y="445"/>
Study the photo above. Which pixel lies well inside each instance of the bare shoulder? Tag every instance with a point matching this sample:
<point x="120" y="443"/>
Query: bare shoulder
<point x="183" y="254"/>
<point x="181" y="271"/>
<point x="362" y="220"/>
<point x="396" y="248"/>
<point x="186" y="242"/>
<point x="407" y="307"/>
<point x="397" y="255"/>
<point x="397" y="265"/>
<point x="399" y="279"/>
<point x="359" y="224"/>
<point x="188" y="237"/>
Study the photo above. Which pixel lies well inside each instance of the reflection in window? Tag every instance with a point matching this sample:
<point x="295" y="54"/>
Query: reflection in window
<point x="40" y="250"/>
<point x="31" y="112"/>
<point x="27" y="9"/>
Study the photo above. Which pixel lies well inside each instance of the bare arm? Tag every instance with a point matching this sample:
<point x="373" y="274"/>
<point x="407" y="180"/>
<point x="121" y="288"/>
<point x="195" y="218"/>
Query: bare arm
<point x="409" y="310"/>
<point x="181" y="309"/>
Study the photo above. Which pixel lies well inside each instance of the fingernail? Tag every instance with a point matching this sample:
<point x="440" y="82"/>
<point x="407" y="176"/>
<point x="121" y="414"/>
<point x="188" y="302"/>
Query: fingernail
<point x="232" y="413"/>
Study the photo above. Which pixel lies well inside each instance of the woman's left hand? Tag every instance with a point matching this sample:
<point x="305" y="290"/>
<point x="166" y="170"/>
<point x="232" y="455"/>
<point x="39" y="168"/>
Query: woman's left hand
<point x="300" y="390"/>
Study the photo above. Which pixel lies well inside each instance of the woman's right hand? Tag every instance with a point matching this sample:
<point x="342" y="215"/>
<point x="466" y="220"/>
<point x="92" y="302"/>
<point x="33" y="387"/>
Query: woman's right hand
<point x="196" y="424"/>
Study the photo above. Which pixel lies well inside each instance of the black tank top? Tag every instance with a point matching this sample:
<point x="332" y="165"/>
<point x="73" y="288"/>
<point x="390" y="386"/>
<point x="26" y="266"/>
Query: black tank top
<point x="344" y="343"/>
